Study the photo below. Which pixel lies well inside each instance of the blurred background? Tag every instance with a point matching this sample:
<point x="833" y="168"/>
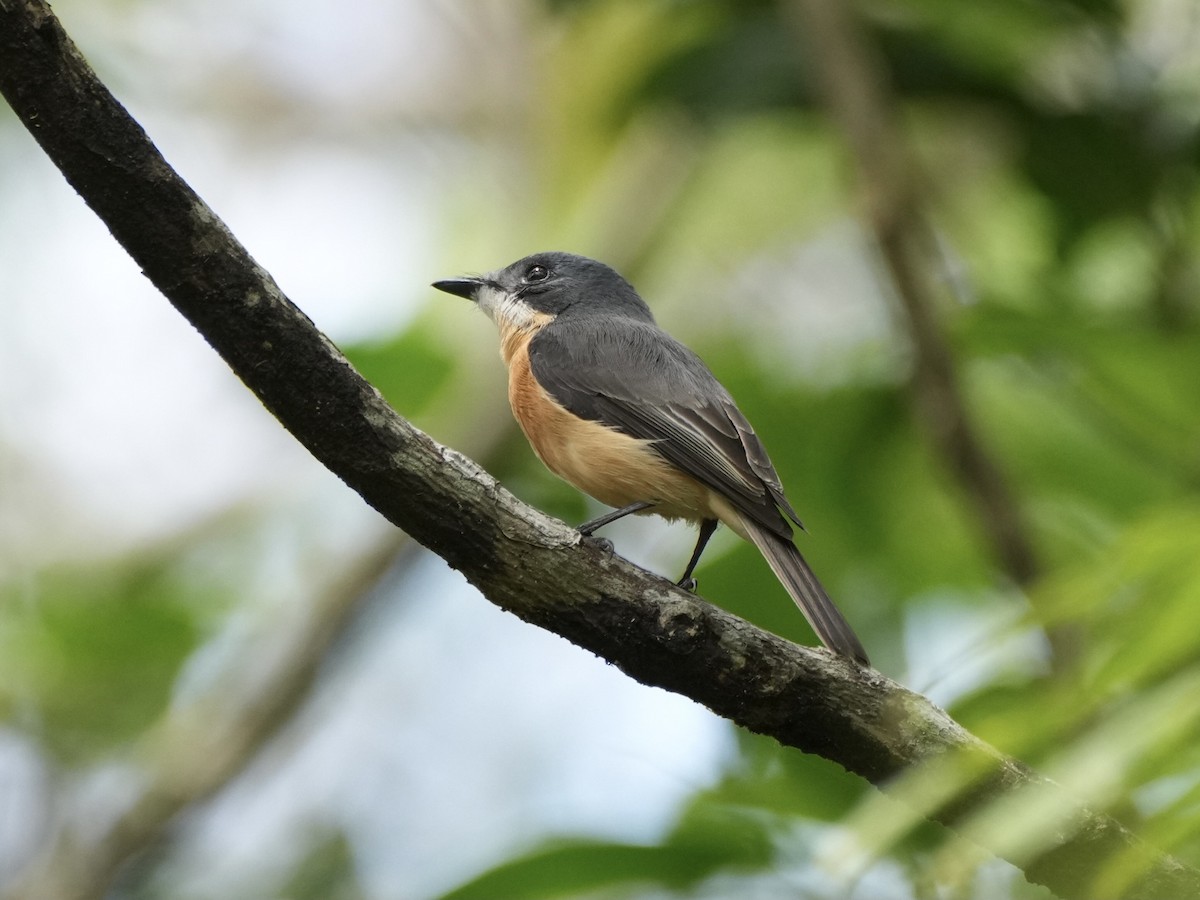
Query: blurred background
<point x="945" y="256"/>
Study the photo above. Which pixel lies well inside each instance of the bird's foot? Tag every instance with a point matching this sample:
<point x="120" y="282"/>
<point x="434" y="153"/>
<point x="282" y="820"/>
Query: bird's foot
<point x="604" y="544"/>
<point x="689" y="584"/>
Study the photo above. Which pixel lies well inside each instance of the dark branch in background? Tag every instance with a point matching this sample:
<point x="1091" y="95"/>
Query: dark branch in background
<point x="198" y="748"/>
<point x="523" y="561"/>
<point x="858" y="96"/>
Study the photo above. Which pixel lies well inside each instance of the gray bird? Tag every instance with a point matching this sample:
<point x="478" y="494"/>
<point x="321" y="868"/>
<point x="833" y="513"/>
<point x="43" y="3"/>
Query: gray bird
<point x="622" y="411"/>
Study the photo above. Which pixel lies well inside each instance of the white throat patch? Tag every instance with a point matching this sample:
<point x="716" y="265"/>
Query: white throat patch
<point x="507" y="311"/>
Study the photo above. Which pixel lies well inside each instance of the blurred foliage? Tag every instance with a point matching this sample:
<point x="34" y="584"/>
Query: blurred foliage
<point x="87" y="657"/>
<point x="685" y="858"/>
<point x="1062" y="153"/>
<point x="409" y="369"/>
<point x="326" y="872"/>
<point x="685" y="142"/>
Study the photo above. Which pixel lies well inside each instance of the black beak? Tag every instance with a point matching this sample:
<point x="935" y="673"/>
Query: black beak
<point x="463" y="287"/>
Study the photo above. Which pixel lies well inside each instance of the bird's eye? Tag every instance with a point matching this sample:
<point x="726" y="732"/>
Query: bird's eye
<point x="537" y="273"/>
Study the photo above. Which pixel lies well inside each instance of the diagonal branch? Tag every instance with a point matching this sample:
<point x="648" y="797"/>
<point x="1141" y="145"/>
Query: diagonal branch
<point x="523" y="561"/>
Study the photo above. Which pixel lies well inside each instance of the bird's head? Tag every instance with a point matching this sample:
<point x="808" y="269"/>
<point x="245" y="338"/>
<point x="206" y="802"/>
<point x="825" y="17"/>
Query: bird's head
<point x="544" y="286"/>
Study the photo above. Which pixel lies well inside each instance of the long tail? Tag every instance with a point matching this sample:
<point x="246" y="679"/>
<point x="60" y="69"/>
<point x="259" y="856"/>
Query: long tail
<point x="791" y="569"/>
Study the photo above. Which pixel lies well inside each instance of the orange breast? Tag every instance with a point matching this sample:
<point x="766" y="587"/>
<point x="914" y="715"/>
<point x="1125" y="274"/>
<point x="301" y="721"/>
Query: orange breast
<point x="613" y="467"/>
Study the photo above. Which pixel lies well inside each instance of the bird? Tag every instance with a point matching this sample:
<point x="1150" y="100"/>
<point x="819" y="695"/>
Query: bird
<point x="627" y="414"/>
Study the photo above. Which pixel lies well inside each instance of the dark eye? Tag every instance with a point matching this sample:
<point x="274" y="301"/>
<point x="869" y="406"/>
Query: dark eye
<point x="537" y="273"/>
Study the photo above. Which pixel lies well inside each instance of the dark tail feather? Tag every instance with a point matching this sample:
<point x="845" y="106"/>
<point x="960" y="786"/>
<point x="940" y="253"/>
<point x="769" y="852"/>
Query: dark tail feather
<point x="791" y="569"/>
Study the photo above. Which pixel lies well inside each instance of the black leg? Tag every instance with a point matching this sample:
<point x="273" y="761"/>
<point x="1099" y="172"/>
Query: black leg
<point x="707" y="527"/>
<point x="588" y="527"/>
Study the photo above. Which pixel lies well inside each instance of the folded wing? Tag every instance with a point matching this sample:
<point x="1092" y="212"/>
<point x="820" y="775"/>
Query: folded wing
<point x="649" y="386"/>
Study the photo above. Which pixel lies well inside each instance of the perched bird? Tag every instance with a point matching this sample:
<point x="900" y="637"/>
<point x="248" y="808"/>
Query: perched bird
<point x="624" y="412"/>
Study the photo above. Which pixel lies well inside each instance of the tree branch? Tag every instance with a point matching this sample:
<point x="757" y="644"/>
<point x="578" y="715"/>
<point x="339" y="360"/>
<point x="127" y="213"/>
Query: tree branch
<point x="525" y="562"/>
<point x="860" y="101"/>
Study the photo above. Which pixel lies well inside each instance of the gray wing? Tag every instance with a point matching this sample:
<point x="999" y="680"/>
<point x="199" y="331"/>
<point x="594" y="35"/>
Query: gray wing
<point x="649" y="386"/>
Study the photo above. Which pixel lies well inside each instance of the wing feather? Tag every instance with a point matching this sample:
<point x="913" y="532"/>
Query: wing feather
<point x="648" y="385"/>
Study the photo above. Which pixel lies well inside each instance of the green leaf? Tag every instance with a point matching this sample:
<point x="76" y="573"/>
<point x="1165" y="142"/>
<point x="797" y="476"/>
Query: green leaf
<point x="409" y="369"/>
<point x="568" y="868"/>
<point x="780" y="783"/>
<point x="325" y="873"/>
<point x="88" y="656"/>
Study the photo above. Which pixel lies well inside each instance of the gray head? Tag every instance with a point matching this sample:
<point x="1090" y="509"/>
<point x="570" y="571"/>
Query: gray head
<point x="546" y="285"/>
